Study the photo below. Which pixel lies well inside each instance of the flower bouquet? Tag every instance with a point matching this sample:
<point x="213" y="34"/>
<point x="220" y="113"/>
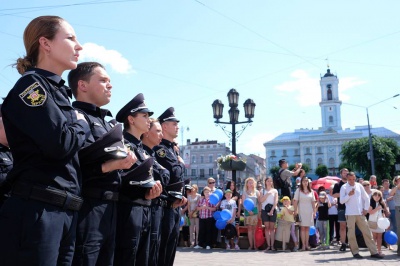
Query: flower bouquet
<point x="231" y="162"/>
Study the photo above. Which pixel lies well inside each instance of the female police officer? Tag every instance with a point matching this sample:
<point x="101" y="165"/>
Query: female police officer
<point x="38" y="221"/>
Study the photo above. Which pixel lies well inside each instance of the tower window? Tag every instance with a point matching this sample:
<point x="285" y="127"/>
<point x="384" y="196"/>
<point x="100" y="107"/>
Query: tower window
<point x="329" y="94"/>
<point x="330" y="119"/>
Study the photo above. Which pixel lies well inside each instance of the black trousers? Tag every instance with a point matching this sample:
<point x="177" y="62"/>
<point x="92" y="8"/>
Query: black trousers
<point x="155" y="233"/>
<point x="206" y="232"/>
<point x="36" y="233"/>
<point x="286" y="191"/>
<point x="133" y="235"/>
<point x="95" y="240"/>
<point x="169" y="236"/>
<point x="334" y="227"/>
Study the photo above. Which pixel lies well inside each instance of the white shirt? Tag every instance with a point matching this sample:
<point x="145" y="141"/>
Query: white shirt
<point x="356" y="203"/>
<point x="333" y="209"/>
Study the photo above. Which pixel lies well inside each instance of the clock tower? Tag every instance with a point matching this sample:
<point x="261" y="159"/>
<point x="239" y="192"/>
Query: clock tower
<point x="330" y="103"/>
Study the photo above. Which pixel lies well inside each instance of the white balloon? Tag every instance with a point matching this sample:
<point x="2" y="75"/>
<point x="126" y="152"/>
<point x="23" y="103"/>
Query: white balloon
<point x="383" y="223"/>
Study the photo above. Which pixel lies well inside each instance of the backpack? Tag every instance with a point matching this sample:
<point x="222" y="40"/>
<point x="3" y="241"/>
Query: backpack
<point x="230" y="231"/>
<point x="278" y="181"/>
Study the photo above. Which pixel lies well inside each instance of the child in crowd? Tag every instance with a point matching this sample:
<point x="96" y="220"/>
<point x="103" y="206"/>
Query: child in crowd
<point x="287" y="214"/>
<point x="376" y="210"/>
<point x="229" y="204"/>
<point x="206" y="223"/>
<point x="323" y="218"/>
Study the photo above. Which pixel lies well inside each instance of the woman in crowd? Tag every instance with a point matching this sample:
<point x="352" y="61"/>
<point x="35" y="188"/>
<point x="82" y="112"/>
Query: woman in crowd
<point x="395" y="192"/>
<point x="376" y="211"/>
<point x="193" y="199"/>
<point x="251" y="216"/>
<point x="269" y="201"/>
<point x="304" y="205"/>
<point x="44" y="133"/>
<point x="231" y="185"/>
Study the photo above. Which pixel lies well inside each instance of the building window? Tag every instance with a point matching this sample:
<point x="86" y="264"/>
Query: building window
<point x="193" y="172"/>
<point x="210" y="172"/>
<point x="201" y="159"/>
<point x="330" y="120"/>
<point x="193" y="159"/>
<point x="319" y="150"/>
<point x="308" y="162"/>
<point x="186" y="172"/>
<point x="210" y="158"/>
<point x="319" y="161"/>
<point x="331" y="163"/>
<point x="329" y="94"/>
<point x="284" y="153"/>
<point x="296" y="152"/>
<point x="201" y="172"/>
<point x="308" y="151"/>
<point x="273" y="153"/>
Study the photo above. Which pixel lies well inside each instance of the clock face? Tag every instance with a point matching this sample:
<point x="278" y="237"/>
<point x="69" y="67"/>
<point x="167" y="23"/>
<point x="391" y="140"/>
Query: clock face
<point x="331" y="149"/>
<point x="329" y="86"/>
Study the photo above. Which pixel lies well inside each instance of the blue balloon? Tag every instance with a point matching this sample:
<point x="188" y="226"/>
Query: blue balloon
<point x="312" y="230"/>
<point x="220" y="224"/>
<point x="226" y="215"/>
<point x="219" y="193"/>
<point x="217" y="215"/>
<point x="390" y="237"/>
<point x="214" y="199"/>
<point x="248" y="204"/>
<point x="182" y="221"/>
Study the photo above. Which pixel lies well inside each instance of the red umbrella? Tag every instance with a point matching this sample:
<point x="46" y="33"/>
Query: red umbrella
<point x="325" y="182"/>
<point x="333" y="178"/>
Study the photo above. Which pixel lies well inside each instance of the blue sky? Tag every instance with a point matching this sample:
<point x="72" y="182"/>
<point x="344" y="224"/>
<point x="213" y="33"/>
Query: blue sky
<point x="187" y="53"/>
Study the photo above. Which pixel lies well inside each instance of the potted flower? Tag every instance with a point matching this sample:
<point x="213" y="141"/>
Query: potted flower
<point x="231" y="162"/>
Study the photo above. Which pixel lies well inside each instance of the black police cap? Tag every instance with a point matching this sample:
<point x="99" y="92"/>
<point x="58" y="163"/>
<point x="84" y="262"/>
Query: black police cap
<point x="137" y="104"/>
<point x="107" y="147"/>
<point x="141" y="176"/>
<point x="168" y="115"/>
<point x="175" y="190"/>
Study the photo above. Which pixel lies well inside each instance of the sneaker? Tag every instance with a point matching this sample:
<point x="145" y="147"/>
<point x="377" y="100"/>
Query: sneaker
<point x="208" y="247"/>
<point x="295" y="249"/>
<point x="227" y="247"/>
<point x="197" y="247"/>
<point x="377" y="256"/>
<point x="237" y="247"/>
<point x="326" y="247"/>
<point x="358" y="256"/>
<point x="343" y="247"/>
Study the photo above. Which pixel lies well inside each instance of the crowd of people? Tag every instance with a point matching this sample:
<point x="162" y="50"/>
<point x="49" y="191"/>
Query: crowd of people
<point x="78" y="188"/>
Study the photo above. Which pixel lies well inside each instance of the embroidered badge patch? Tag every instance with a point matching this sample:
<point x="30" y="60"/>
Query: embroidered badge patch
<point x="161" y="152"/>
<point x="34" y="95"/>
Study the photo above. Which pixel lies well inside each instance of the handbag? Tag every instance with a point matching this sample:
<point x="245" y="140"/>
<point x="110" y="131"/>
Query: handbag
<point x="268" y="207"/>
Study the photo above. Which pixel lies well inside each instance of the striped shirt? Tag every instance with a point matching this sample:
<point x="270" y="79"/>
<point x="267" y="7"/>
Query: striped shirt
<point x="205" y="213"/>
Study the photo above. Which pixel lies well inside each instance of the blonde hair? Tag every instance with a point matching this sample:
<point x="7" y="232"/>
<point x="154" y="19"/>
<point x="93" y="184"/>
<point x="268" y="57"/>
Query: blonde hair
<point x="210" y="179"/>
<point x="43" y="26"/>
<point x="206" y="188"/>
<point x="397" y="177"/>
<point x="247" y="181"/>
<point x="195" y="187"/>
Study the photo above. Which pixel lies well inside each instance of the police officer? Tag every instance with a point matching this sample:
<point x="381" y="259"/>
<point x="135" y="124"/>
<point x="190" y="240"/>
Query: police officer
<point x="134" y="213"/>
<point x="95" y="243"/>
<point x="6" y="163"/>
<point x="150" y="139"/>
<point x="45" y="133"/>
<point x="168" y="156"/>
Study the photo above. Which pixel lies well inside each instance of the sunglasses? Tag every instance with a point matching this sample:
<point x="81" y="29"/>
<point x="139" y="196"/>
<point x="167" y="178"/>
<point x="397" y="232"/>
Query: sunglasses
<point x="366" y="185"/>
<point x="211" y="182"/>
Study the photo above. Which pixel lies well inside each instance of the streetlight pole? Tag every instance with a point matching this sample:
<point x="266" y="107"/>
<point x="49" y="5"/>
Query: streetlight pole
<point x="371" y="148"/>
<point x="249" y="106"/>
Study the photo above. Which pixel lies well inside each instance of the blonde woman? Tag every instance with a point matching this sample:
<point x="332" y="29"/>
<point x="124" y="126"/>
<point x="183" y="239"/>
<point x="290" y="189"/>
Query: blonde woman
<point x="251" y="217"/>
<point x="269" y="199"/>
<point x="193" y="199"/>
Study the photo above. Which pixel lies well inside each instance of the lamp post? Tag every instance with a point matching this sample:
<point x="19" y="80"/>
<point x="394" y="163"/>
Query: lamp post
<point x="218" y="106"/>
<point x="371" y="148"/>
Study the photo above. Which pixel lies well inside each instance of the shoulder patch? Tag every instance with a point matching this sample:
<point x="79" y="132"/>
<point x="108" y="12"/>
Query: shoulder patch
<point x="161" y="152"/>
<point x="34" y="95"/>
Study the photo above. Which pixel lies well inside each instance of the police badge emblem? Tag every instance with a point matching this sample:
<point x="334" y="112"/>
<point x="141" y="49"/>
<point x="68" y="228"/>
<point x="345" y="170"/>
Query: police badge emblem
<point x="161" y="152"/>
<point x="34" y="95"/>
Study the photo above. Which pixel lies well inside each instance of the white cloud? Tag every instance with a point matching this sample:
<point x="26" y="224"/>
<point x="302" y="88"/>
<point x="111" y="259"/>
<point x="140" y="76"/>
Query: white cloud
<point x="113" y="58"/>
<point x="308" y="89"/>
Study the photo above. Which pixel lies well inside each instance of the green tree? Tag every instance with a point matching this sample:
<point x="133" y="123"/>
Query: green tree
<point x="321" y="170"/>
<point x="354" y="153"/>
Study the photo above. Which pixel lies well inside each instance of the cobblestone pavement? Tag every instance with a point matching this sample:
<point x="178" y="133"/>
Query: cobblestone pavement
<point x="214" y="257"/>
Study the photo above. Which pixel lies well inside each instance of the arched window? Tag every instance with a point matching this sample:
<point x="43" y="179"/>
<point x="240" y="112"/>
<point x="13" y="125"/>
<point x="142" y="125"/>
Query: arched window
<point x="331" y="163"/>
<point x="330" y="119"/>
<point x="308" y="162"/>
<point x="329" y="94"/>
<point x="319" y="161"/>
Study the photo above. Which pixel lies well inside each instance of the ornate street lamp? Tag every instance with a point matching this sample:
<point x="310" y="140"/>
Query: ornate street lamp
<point x="233" y="99"/>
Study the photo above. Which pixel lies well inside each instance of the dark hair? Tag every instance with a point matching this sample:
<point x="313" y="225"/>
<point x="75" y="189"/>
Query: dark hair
<point x="343" y="169"/>
<point x="43" y="26"/>
<point x="82" y="72"/>
<point x="372" y="202"/>
<point x="308" y="184"/>
<point x="228" y="186"/>
<point x="282" y="161"/>
<point x="126" y="121"/>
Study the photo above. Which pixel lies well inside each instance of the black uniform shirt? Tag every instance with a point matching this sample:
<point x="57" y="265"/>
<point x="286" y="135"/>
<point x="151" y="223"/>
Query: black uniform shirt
<point x="159" y="172"/>
<point x="93" y="177"/>
<point x="43" y="132"/>
<point x="168" y="158"/>
<point x="336" y="189"/>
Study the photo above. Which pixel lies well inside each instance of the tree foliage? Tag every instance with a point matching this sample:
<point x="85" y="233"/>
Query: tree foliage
<point x="354" y="153"/>
<point x="322" y="170"/>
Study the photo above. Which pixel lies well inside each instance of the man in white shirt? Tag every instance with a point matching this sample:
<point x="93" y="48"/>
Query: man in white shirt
<point x="357" y="204"/>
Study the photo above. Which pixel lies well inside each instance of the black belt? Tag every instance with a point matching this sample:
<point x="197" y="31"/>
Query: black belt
<point x="138" y="201"/>
<point x="159" y="202"/>
<point x="101" y="194"/>
<point x="56" y="197"/>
